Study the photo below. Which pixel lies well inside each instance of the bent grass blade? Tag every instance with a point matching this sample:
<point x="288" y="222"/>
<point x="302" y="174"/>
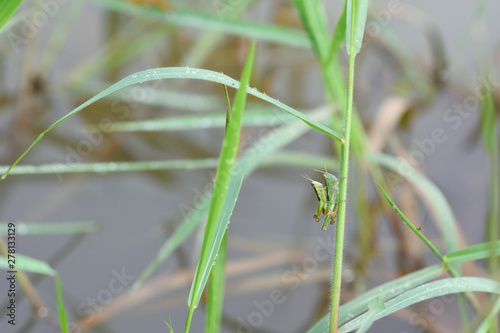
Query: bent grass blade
<point x="182" y="73"/>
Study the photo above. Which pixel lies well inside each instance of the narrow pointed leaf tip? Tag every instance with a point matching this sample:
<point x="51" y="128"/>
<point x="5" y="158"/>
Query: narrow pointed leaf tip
<point x="357" y="10"/>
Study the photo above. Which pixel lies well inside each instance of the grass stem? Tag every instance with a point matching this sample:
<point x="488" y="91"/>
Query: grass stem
<point x="344" y="165"/>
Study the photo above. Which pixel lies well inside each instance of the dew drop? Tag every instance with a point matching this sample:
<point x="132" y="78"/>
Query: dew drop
<point x="112" y="166"/>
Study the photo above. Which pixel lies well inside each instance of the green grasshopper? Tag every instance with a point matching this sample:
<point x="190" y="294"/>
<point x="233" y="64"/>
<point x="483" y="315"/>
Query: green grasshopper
<point x="320" y="191"/>
<point x="328" y="197"/>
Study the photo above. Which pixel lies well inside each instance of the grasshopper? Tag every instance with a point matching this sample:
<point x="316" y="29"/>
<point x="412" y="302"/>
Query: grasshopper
<point x="328" y="197"/>
<point x="320" y="191"/>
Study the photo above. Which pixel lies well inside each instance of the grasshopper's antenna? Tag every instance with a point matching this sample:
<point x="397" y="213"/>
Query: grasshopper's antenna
<point x="307" y="177"/>
<point x="325" y="166"/>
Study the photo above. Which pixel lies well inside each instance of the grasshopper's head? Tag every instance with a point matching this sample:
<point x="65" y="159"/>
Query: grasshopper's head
<point x="315" y="184"/>
<point x="330" y="179"/>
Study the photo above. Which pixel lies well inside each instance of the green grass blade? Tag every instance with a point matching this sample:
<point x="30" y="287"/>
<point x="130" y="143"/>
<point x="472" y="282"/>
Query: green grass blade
<point x="431" y="246"/>
<point x="357" y="10"/>
<point x="215" y="228"/>
<point x="63" y="321"/>
<point x="313" y="20"/>
<point x="250" y="118"/>
<point x="427" y="291"/>
<point x="339" y="34"/>
<point x="412" y="226"/>
<point x="247" y="163"/>
<point x="169" y="324"/>
<point x="444" y="216"/>
<point x="385" y="291"/>
<point x="270" y="33"/>
<point x="375" y="307"/>
<point x="14" y="20"/>
<point x="489" y="117"/>
<point x="111" y="167"/>
<point x="313" y="17"/>
<point x="181" y="73"/>
<point x="219" y="232"/>
<point x="297" y="159"/>
<point x="221" y="185"/>
<point x="28" y="264"/>
<point x="475" y="252"/>
<point x="216" y="285"/>
<point x="51" y="228"/>
<point x="175" y="99"/>
<point x="489" y="322"/>
<point x="7" y="9"/>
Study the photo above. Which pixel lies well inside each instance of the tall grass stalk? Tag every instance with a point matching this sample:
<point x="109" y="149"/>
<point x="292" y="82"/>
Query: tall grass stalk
<point x="356" y="18"/>
<point x="344" y="165"/>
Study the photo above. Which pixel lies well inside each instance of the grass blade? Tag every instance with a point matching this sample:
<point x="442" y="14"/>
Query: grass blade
<point x="250" y="118"/>
<point x="443" y="214"/>
<point x="412" y="227"/>
<point x="7" y="9"/>
<point x="297" y="159"/>
<point x="270" y="33"/>
<point x="488" y="324"/>
<point x="51" y="228"/>
<point x="105" y="167"/>
<point x="214" y="229"/>
<point x="431" y="246"/>
<point x="375" y="307"/>
<point x="356" y="11"/>
<point x="313" y="17"/>
<point x="427" y="291"/>
<point x="489" y="117"/>
<point x="63" y="321"/>
<point x="164" y="98"/>
<point x="180" y="73"/>
<point x="385" y="291"/>
<point x="475" y="252"/>
<point x="28" y="264"/>
<point x="339" y="34"/>
<point x="215" y="302"/>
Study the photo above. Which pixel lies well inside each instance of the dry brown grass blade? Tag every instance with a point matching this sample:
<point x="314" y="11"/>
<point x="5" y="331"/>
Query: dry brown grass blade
<point x="387" y="118"/>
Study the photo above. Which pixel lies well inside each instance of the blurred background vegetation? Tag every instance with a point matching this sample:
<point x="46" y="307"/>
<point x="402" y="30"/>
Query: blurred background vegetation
<point x="105" y="198"/>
